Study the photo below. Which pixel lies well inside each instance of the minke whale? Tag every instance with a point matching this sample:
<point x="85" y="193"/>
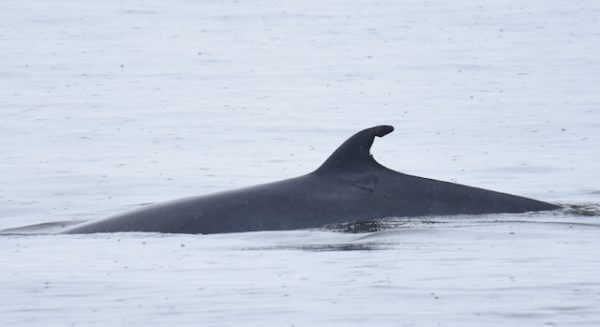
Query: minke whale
<point x="350" y="186"/>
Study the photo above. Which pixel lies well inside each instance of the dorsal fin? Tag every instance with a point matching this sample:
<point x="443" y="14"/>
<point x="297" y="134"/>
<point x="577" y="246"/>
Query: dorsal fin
<point x="354" y="154"/>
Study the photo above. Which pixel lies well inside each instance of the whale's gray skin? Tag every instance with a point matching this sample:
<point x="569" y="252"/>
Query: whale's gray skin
<point x="350" y="186"/>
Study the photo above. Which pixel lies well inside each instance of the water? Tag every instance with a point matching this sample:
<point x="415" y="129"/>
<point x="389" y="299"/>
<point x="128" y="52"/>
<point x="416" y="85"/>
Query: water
<point x="534" y="269"/>
<point x="109" y="106"/>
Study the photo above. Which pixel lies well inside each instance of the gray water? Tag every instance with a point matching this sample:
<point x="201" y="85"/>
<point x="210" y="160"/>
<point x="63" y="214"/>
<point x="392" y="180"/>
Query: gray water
<point x="111" y="105"/>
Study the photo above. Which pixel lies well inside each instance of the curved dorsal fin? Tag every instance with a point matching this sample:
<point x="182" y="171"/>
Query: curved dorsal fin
<point x="354" y="154"/>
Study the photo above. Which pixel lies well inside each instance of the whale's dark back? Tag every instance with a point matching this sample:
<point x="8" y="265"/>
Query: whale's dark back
<point x="349" y="186"/>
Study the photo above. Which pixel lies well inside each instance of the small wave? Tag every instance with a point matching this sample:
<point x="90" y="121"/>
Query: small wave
<point x="378" y="225"/>
<point x="571" y="214"/>
<point x="43" y="228"/>
<point x="586" y="210"/>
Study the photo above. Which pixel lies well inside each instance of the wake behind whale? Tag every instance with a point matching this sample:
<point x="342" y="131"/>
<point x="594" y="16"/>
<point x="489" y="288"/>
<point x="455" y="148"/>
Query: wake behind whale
<point x="349" y="186"/>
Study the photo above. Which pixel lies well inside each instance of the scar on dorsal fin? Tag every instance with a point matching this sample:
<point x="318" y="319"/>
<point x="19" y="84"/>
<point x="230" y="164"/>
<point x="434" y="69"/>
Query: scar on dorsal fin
<point x="355" y="153"/>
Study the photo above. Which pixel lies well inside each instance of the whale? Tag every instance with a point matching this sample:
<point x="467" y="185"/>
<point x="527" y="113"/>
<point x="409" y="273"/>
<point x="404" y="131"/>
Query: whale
<point x="350" y="186"/>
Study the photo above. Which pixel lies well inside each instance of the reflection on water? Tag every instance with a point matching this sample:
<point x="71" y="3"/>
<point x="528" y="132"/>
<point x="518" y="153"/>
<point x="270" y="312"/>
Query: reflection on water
<point x="325" y="247"/>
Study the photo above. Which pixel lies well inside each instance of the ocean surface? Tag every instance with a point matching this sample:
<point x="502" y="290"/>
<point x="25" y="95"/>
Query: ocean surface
<point x="108" y="106"/>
